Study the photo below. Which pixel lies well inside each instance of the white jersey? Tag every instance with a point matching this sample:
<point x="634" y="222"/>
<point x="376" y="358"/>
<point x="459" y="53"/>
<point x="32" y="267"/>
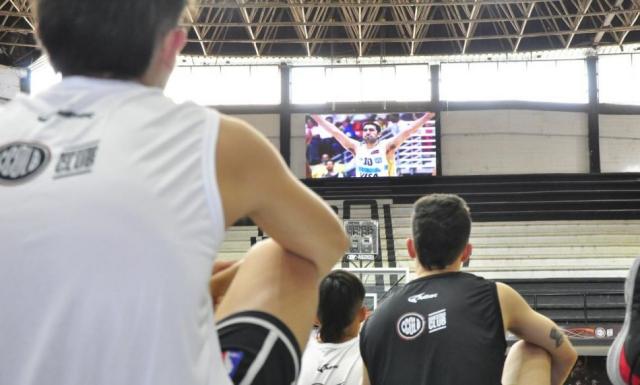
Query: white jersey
<point x="331" y="364"/>
<point x="109" y="224"/>
<point x="372" y="162"/>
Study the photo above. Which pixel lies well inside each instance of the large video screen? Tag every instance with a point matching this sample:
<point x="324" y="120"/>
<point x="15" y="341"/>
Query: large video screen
<point x="370" y="145"/>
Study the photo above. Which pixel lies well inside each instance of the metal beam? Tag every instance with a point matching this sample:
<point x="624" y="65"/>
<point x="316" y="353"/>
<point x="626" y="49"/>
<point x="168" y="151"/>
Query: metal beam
<point x="475" y="11"/>
<point x="355" y="3"/>
<point x="607" y="21"/>
<point x="247" y="19"/>
<point x="593" y="117"/>
<point x="429" y="39"/>
<point x="553" y="24"/>
<point x="298" y="15"/>
<point x="15" y="44"/>
<point x="419" y="22"/>
<point x="625" y="33"/>
<point x="585" y="8"/>
<point x="191" y="18"/>
<point x="24" y="8"/>
<point x="402" y="24"/>
<point x="524" y="25"/>
<point x="14" y="14"/>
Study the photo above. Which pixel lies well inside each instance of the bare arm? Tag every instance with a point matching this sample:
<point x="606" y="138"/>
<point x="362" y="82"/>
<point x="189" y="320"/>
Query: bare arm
<point x="397" y="141"/>
<point x="255" y="182"/>
<point x="223" y="274"/>
<point x="340" y="136"/>
<point x="365" y="375"/>
<point x="539" y="330"/>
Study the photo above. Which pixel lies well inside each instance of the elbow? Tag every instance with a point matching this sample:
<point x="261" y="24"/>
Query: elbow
<point x="568" y="358"/>
<point x="572" y="356"/>
<point x="336" y="248"/>
<point x="343" y="243"/>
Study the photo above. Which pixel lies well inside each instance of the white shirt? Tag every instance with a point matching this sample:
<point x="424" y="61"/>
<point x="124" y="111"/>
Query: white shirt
<point x="372" y="162"/>
<point x="106" y="251"/>
<point x="331" y="364"/>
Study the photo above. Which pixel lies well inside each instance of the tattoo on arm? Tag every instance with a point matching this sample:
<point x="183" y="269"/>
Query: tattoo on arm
<point x="557" y="336"/>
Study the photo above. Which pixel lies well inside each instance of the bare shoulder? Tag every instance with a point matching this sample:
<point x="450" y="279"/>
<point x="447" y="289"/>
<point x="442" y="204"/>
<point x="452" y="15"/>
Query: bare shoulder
<point x="241" y="142"/>
<point x="234" y="129"/>
<point x="245" y="159"/>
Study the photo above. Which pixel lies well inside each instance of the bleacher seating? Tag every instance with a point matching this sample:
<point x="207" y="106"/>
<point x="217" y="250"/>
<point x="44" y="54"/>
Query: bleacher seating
<point x="565" y="242"/>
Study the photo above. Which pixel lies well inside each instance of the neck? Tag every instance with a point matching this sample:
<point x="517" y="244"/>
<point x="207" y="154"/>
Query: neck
<point x="371" y="145"/>
<point x="350" y="332"/>
<point x="422" y="271"/>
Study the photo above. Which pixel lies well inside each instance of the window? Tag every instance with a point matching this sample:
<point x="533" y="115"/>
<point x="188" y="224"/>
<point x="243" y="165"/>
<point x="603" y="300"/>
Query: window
<point x="43" y="75"/>
<point x="225" y="85"/>
<point x="562" y="81"/>
<point x="315" y="85"/>
<point x="619" y="79"/>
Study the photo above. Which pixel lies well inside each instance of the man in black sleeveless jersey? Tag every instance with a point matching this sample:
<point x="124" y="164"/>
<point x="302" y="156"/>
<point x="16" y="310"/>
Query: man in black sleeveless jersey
<point x="447" y="327"/>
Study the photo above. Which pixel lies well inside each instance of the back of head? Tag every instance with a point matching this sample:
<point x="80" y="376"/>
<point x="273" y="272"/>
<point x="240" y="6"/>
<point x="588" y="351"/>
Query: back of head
<point x="341" y="296"/>
<point x="441" y="226"/>
<point x="105" y="38"/>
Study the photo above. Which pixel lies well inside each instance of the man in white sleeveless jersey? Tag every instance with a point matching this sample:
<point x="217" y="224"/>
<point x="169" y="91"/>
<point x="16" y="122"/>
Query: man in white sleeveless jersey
<point x="114" y="204"/>
<point x="373" y="157"/>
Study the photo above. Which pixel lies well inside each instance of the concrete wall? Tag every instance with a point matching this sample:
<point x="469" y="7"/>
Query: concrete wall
<point x="514" y="142"/>
<point x="268" y="124"/>
<point x="620" y="143"/>
<point x="9" y="83"/>
<point x="298" y="145"/>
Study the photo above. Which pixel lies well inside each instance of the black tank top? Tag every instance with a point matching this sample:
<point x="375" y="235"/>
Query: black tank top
<point x="444" y="329"/>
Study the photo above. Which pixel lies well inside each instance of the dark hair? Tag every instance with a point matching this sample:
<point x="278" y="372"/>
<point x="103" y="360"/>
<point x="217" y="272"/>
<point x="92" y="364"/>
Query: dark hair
<point x="105" y="38"/>
<point x="341" y="295"/>
<point x="375" y="124"/>
<point x="441" y="225"/>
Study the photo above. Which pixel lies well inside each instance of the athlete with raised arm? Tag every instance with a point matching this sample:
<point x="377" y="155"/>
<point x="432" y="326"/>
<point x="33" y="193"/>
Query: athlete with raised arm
<point x="373" y="157"/>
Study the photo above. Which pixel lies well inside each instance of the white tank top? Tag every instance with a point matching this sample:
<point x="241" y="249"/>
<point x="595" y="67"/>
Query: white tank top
<point x="331" y="364"/>
<point x="110" y="219"/>
<point x="372" y="162"/>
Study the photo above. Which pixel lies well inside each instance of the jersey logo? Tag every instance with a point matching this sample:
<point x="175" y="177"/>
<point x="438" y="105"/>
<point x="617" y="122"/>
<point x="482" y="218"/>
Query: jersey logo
<point x="76" y="160"/>
<point x="22" y="161"/>
<point x="374" y="152"/>
<point x="437" y="320"/>
<point x="421" y="297"/>
<point x="410" y="326"/>
<point x="327" y="367"/>
<point x="66" y="114"/>
<point x="232" y="360"/>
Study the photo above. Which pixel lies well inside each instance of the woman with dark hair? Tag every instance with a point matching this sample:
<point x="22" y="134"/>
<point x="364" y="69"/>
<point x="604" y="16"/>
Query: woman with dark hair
<point x="332" y="356"/>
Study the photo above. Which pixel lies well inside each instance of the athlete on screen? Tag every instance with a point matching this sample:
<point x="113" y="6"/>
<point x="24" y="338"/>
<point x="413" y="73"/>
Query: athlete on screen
<point x="373" y="157"/>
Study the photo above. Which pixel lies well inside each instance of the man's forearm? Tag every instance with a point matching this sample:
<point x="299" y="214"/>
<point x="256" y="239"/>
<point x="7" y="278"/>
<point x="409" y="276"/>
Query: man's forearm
<point x="560" y="370"/>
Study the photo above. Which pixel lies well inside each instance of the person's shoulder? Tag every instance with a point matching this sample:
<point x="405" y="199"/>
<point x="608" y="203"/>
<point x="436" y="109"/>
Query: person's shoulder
<point x="476" y="279"/>
<point x="237" y="128"/>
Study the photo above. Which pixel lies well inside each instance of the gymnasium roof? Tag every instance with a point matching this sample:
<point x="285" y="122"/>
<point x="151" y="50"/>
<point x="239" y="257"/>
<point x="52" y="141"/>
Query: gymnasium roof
<point x="362" y="28"/>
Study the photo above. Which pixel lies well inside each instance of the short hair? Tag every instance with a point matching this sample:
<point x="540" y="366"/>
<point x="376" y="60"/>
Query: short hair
<point x="105" y="38"/>
<point x="376" y="125"/>
<point x="441" y="225"/>
<point x="341" y="296"/>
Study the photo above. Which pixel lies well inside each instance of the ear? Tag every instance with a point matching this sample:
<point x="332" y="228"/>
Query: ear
<point x="411" y="248"/>
<point x="172" y="45"/>
<point x="362" y="313"/>
<point x="466" y="253"/>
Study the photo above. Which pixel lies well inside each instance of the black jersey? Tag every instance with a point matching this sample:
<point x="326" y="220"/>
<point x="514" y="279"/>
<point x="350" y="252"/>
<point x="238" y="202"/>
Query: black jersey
<point x="444" y="329"/>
